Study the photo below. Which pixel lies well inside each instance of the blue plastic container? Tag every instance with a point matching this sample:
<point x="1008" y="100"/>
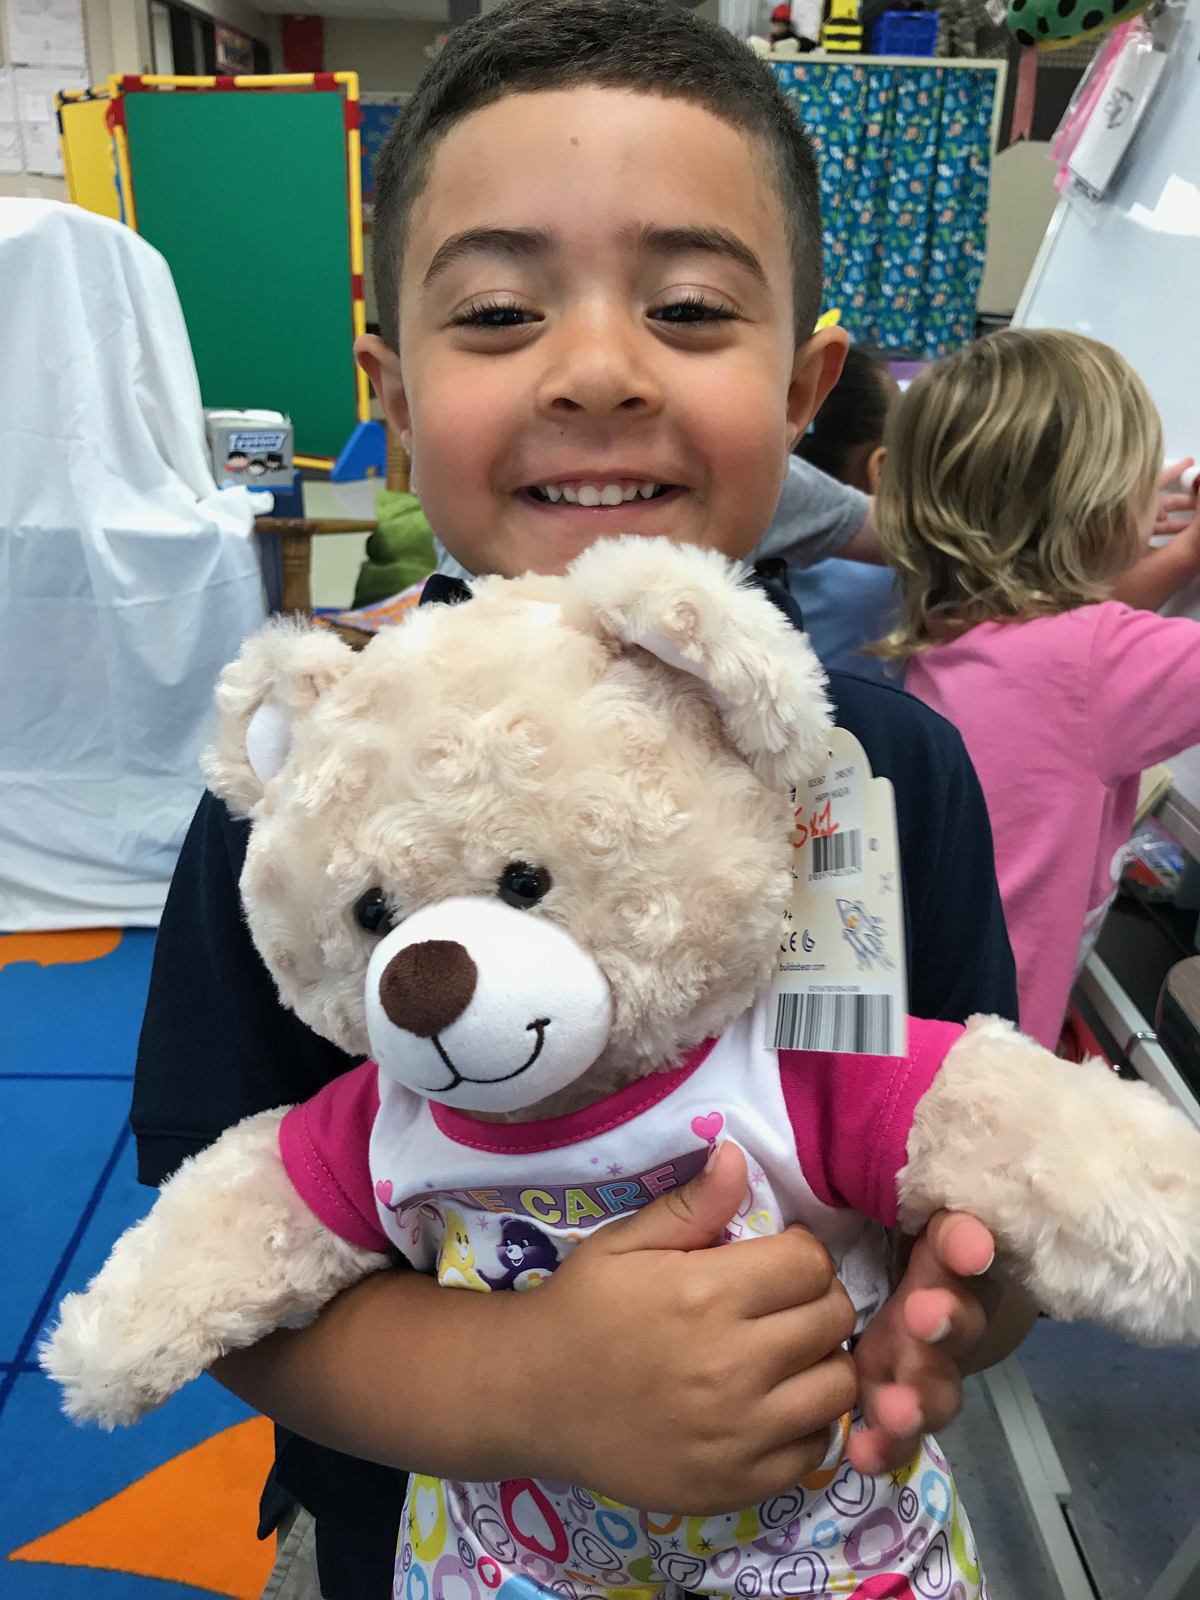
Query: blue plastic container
<point x="905" y="33"/>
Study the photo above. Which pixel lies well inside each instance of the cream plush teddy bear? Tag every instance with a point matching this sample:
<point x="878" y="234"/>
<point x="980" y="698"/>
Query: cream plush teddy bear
<point x="530" y="854"/>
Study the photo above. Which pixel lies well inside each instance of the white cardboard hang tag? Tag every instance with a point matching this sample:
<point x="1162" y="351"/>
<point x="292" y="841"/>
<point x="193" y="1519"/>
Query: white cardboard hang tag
<point x="839" y="981"/>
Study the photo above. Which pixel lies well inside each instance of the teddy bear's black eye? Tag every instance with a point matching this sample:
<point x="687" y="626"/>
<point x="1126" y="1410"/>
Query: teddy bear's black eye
<point x="523" y="886"/>
<point x="373" y="914"/>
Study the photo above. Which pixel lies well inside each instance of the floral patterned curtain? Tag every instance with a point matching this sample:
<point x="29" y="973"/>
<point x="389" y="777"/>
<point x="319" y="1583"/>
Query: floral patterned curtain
<point x="904" y="154"/>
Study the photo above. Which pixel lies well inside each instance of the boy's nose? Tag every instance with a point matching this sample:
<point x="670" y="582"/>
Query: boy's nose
<point x="596" y="368"/>
<point x="427" y="986"/>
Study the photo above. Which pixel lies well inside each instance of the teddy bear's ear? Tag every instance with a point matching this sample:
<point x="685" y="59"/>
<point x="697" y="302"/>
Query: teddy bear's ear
<point x="281" y="673"/>
<point x="694" y="610"/>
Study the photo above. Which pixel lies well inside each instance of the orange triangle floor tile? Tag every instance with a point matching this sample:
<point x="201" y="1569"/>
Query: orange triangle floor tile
<point x="191" y="1521"/>
<point x="54" y="949"/>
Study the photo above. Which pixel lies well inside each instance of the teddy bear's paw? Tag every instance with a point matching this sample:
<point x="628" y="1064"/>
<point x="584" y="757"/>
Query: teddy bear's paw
<point x="102" y="1379"/>
<point x="1090" y="1184"/>
<point x="228" y="1253"/>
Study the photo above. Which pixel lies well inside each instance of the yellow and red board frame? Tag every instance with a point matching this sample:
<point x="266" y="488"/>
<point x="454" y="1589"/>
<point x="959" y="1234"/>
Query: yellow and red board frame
<point x="345" y="83"/>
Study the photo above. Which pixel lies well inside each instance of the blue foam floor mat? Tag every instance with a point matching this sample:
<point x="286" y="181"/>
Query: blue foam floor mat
<point x="98" y="1516"/>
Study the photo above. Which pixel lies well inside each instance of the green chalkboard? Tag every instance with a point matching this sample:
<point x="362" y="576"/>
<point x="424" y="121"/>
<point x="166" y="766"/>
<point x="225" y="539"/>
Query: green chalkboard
<point x="244" y="192"/>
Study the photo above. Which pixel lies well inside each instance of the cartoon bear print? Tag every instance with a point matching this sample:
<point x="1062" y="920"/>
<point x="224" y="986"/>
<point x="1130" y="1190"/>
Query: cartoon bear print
<point x="526" y="1254"/>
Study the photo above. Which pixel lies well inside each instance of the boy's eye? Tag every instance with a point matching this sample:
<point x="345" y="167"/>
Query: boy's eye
<point x="494" y="316"/>
<point x="692" y="311"/>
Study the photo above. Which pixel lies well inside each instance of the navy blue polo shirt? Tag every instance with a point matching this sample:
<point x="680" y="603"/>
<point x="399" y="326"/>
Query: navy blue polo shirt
<point x="217" y="1046"/>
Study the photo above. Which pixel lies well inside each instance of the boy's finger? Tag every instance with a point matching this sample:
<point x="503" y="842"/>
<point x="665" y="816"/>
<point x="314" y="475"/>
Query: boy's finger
<point x="896" y="1408"/>
<point x="811" y="1400"/>
<point x="959" y="1243"/>
<point x="787" y="1343"/>
<point x="777" y="1274"/>
<point x="688" y="1218"/>
<point x="953" y="1321"/>
<point x="874" y="1452"/>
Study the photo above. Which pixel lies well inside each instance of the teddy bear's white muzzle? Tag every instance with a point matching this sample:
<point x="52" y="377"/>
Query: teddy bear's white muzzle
<point x="484" y="1007"/>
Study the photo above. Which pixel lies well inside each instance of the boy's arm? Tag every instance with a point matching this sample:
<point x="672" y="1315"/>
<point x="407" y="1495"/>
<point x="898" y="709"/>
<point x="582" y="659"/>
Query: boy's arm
<point x="728" y="1404"/>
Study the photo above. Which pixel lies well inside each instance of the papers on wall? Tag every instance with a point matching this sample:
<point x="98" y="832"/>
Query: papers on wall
<point x="47" y="33"/>
<point x="47" y="53"/>
<point x="34" y="89"/>
<point x="10" y="135"/>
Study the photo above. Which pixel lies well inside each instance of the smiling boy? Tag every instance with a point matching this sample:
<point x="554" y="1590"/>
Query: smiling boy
<point x="598" y="263"/>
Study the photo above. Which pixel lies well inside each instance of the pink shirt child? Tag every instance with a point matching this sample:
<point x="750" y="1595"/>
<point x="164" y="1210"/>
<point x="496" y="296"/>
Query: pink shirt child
<point x="1060" y="716"/>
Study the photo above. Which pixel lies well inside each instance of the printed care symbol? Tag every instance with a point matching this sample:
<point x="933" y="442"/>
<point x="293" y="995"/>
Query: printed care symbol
<point x="707" y="1128"/>
<point x="808" y="942"/>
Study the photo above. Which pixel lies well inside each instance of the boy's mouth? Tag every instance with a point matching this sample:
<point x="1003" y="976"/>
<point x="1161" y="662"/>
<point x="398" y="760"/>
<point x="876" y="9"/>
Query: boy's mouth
<point x="602" y="494"/>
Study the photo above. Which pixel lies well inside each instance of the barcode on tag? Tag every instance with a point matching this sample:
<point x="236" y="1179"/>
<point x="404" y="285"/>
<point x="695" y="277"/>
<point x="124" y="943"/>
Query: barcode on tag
<point x="836" y="854"/>
<point x="858" y="1024"/>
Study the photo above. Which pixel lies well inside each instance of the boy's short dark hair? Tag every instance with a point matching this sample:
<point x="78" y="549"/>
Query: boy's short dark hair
<point x="654" y="46"/>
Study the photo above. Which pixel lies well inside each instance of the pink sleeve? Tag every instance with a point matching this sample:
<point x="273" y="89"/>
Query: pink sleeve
<point x="325" y="1146"/>
<point x="851" y="1116"/>
<point x="1143" y="690"/>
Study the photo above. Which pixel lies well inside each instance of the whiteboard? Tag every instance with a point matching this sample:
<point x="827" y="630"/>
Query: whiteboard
<point x="1130" y="275"/>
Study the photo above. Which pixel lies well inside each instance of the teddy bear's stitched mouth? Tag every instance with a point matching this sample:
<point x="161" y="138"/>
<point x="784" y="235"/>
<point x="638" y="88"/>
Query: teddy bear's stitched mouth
<point x="539" y="1025"/>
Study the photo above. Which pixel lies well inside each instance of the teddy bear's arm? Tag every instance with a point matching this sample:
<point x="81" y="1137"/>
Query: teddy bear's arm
<point x="1091" y="1185"/>
<point x="229" y="1252"/>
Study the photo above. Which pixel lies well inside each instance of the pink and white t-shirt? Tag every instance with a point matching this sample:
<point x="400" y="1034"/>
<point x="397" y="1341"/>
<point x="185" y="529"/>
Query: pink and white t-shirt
<point x="492" y="1206"/>
<point x="498" y="1205"/>
<point x="1060" y="716"/>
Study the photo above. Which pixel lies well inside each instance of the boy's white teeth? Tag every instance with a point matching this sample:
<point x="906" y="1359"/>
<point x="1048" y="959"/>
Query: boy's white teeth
<point x="595" y="494"/>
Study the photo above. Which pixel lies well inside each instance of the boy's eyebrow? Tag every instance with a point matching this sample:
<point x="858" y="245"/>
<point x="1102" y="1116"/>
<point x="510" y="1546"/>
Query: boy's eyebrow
<point x="519" y="242"/>
<point x="654" y="239"/>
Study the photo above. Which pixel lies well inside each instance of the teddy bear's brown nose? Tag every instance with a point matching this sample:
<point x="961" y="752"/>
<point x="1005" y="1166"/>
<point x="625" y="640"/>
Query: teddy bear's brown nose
<point x="427" y="986"/>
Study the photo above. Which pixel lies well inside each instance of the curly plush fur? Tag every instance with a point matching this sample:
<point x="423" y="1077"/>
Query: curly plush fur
<point x="1091" y="1186"/>
<point x="228" y="1253"/>
<point x="523" y="726"/>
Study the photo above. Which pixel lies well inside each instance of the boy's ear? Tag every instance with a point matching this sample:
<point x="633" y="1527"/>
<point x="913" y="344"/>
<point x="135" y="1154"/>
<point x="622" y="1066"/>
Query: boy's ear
<point x="382" y="366"/>
<point x="815" y="370"/>
<point x="281" y="673"/>
<point x="693" y="610"/>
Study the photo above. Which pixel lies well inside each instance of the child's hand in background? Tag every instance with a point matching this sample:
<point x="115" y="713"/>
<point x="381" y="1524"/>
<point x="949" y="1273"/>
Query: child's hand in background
<point x="1162" y="572"/>
<point x="1172" y="507"/>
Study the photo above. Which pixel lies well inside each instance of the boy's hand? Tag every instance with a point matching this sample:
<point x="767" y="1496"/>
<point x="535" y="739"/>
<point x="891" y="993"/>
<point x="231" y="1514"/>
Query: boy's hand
<point x="911" y="1358"/>
<point x="681" y="1379"/>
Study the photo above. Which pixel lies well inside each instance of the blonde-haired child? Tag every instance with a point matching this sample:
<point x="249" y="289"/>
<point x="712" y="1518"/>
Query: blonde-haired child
<point x="1020" y="488"/>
